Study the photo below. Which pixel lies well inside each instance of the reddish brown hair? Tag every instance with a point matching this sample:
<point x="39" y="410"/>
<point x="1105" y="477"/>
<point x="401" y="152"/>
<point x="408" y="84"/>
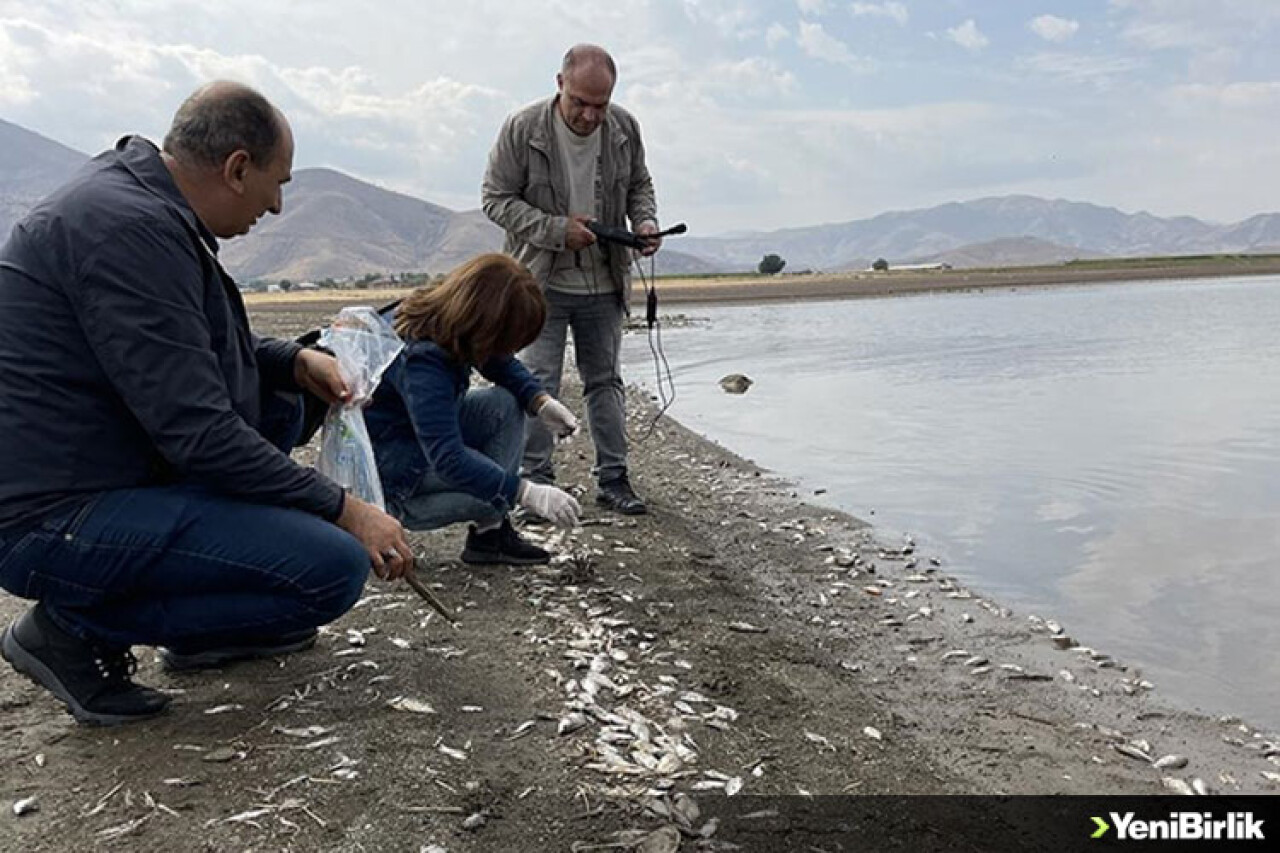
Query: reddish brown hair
<point x="491" y="305"/>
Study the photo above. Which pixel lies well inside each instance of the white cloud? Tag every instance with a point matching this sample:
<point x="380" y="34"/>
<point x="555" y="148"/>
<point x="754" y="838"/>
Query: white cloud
<point x="895" y="11"/>
<point x="776" y="34"/>
<point x="1172" y="24"/>
<point x="818" y="43"/>
<point x="1071" y="68"/>
<point x="1246" y="97"/>
<point x="1053" y="28"/>
<point x="812" y="8"/>
<point x="968" y="36"/>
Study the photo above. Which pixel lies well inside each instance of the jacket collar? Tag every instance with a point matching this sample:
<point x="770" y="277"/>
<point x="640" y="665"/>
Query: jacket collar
<point x="141" y="158"/>
<point x="544" y="130"/>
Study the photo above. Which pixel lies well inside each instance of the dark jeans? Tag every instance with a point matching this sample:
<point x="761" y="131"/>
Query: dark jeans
<point x="491" y="424"/>
<point x="179" y="566"/>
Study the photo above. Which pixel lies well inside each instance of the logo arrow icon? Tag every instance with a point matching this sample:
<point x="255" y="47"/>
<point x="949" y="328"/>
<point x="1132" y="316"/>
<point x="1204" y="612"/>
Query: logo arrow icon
<point x="1103" y="826"/>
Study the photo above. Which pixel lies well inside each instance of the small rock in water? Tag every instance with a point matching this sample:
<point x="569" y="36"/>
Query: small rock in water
<point x="736" y="383"/>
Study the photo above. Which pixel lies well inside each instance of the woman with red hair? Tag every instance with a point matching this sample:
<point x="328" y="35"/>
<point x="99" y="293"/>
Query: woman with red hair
<point x="447" y="452"/>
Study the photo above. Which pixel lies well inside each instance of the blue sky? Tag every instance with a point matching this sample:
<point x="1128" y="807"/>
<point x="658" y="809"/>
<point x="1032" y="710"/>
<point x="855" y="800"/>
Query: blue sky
<point x="758" y="114"/>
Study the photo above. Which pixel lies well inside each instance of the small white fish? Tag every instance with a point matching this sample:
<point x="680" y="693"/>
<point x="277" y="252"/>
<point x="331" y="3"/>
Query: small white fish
<point x="456" y="754"/>
<point x="733" y="786"/>
<point x="1171" y="762"/>
<point x="27" y="805"/>
<point x="571" y="723"/>
<point x="411" y="705"/>
<point x="1178" y="786"/>
<point x="307" y="732"/>
<point x="1131" y="751"/>
<point x="872" y="732"/>
<point x="223" y="709"/>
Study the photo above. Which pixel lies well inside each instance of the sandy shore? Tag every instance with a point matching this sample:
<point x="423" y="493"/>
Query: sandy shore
<point x="737" y="639"/>
<point x="854" y="285"/>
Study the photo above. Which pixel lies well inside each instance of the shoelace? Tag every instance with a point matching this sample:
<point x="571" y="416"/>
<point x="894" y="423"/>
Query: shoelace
<point x="116" y="668"/>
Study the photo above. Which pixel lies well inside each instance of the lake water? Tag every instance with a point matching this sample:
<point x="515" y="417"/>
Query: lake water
<point x="1105" y="456"/>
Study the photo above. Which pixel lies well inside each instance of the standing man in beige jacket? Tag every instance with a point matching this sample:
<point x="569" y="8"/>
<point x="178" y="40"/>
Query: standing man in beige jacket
<point x="557" y="165"/>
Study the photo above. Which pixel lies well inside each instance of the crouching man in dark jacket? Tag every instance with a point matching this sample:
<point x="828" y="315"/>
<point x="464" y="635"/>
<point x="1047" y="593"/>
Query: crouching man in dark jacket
<point x="146" y="492"/>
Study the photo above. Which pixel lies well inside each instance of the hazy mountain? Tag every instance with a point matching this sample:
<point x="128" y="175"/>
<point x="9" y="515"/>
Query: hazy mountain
<point x="1010" y="252"/>
<point x="31" y="167"/>
<point x="917" y="235"/>
<point x="334" y="226"/>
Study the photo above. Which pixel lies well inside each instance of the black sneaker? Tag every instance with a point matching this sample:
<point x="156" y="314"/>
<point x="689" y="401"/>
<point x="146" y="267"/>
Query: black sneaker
<point x="177" y="659"/>
<point x="502" y="545"/>
<point x="617" y="495"/>
<point x="95" y="682"/>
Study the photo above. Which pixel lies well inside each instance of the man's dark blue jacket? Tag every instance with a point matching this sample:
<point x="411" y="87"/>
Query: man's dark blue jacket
<point x="126" y="358"/>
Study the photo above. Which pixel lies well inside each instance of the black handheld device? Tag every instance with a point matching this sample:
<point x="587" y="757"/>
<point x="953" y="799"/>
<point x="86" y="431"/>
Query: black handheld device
<point x="630" y="239"/>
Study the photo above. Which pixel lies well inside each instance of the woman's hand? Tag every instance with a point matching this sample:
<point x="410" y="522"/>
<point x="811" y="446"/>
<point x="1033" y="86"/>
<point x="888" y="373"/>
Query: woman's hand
<point x="558" y="418"/>
<point x="318" y="373"/>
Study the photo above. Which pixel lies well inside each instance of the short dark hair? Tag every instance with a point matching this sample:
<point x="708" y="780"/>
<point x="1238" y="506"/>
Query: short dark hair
<point x="588" y="54"/>
<point x="219" y="119"/>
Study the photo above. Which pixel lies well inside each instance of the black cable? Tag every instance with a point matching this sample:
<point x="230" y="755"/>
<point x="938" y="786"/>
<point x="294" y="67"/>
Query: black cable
<point x="666" y="390"/>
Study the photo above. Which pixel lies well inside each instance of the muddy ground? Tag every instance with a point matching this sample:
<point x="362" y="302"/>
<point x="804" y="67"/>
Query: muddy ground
<point x="694" y="676"/>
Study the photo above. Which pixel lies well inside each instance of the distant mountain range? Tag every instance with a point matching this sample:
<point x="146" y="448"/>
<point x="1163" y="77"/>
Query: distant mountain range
<point x="335" y="226"/>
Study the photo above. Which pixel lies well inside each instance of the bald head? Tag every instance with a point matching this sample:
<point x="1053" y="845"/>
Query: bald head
<point x="588" y="56"/>
<point x="221" y="118"/>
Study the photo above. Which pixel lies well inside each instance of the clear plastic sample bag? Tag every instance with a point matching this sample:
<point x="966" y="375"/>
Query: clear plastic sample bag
<point x="365" y="344"/>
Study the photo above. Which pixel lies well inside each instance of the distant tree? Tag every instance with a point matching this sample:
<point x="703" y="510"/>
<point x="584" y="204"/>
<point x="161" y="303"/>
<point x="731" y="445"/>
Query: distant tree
<point x="881" y="265"/>
<point x="286" y="285"/>
<point x="771" y="264"/>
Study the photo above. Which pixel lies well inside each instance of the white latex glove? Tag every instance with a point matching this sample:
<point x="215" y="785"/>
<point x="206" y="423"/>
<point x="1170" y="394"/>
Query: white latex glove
<point x="559" y="419"/>
<point x="555" y="505"/>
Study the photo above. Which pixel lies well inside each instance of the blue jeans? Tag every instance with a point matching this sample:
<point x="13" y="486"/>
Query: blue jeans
<point x="180" y="566"/>
<point x="596" y="321"/>
<point x="492" y="424"/>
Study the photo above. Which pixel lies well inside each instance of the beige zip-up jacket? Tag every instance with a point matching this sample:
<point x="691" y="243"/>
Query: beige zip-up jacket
<point x="526" y="188"/>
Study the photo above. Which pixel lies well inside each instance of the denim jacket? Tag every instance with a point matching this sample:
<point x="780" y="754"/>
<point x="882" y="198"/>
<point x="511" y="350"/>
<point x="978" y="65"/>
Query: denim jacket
<point x="413" y="422"/>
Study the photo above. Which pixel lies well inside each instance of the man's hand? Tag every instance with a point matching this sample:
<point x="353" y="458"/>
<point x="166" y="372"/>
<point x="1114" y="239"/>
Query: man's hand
<point x="318" y="373"/>
<point x="382" y="536"/>
<point x="577" y="235"/>
<point x="645" y="229"/>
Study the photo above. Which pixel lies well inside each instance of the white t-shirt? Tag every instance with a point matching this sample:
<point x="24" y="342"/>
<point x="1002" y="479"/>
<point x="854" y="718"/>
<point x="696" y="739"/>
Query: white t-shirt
<point x="584" y="271"/>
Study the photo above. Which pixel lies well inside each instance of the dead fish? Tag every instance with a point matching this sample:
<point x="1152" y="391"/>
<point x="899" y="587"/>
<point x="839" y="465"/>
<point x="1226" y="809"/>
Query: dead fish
<point x="307" y="732"/>
<point x="1131" y="751"/>
<point x="1269" y="776"/>
<point x="872" y="732"/>
<point x="413" y="706"/>
<point x="1171" y="762"/>
<point x="26" y="805"/>
<point x="1200" y="787"/>
<point x="474" y="822"/>
<point x="664" y="840"/>
<point x="570" y="723"/>
<point x="1178" y="786"/>
<point x="747" y="628"/>
<point x="733" y="786"/>
<point x="736" y="383"/>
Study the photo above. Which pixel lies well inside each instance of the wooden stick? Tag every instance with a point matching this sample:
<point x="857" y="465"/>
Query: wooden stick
<point x="411" y="578"/>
